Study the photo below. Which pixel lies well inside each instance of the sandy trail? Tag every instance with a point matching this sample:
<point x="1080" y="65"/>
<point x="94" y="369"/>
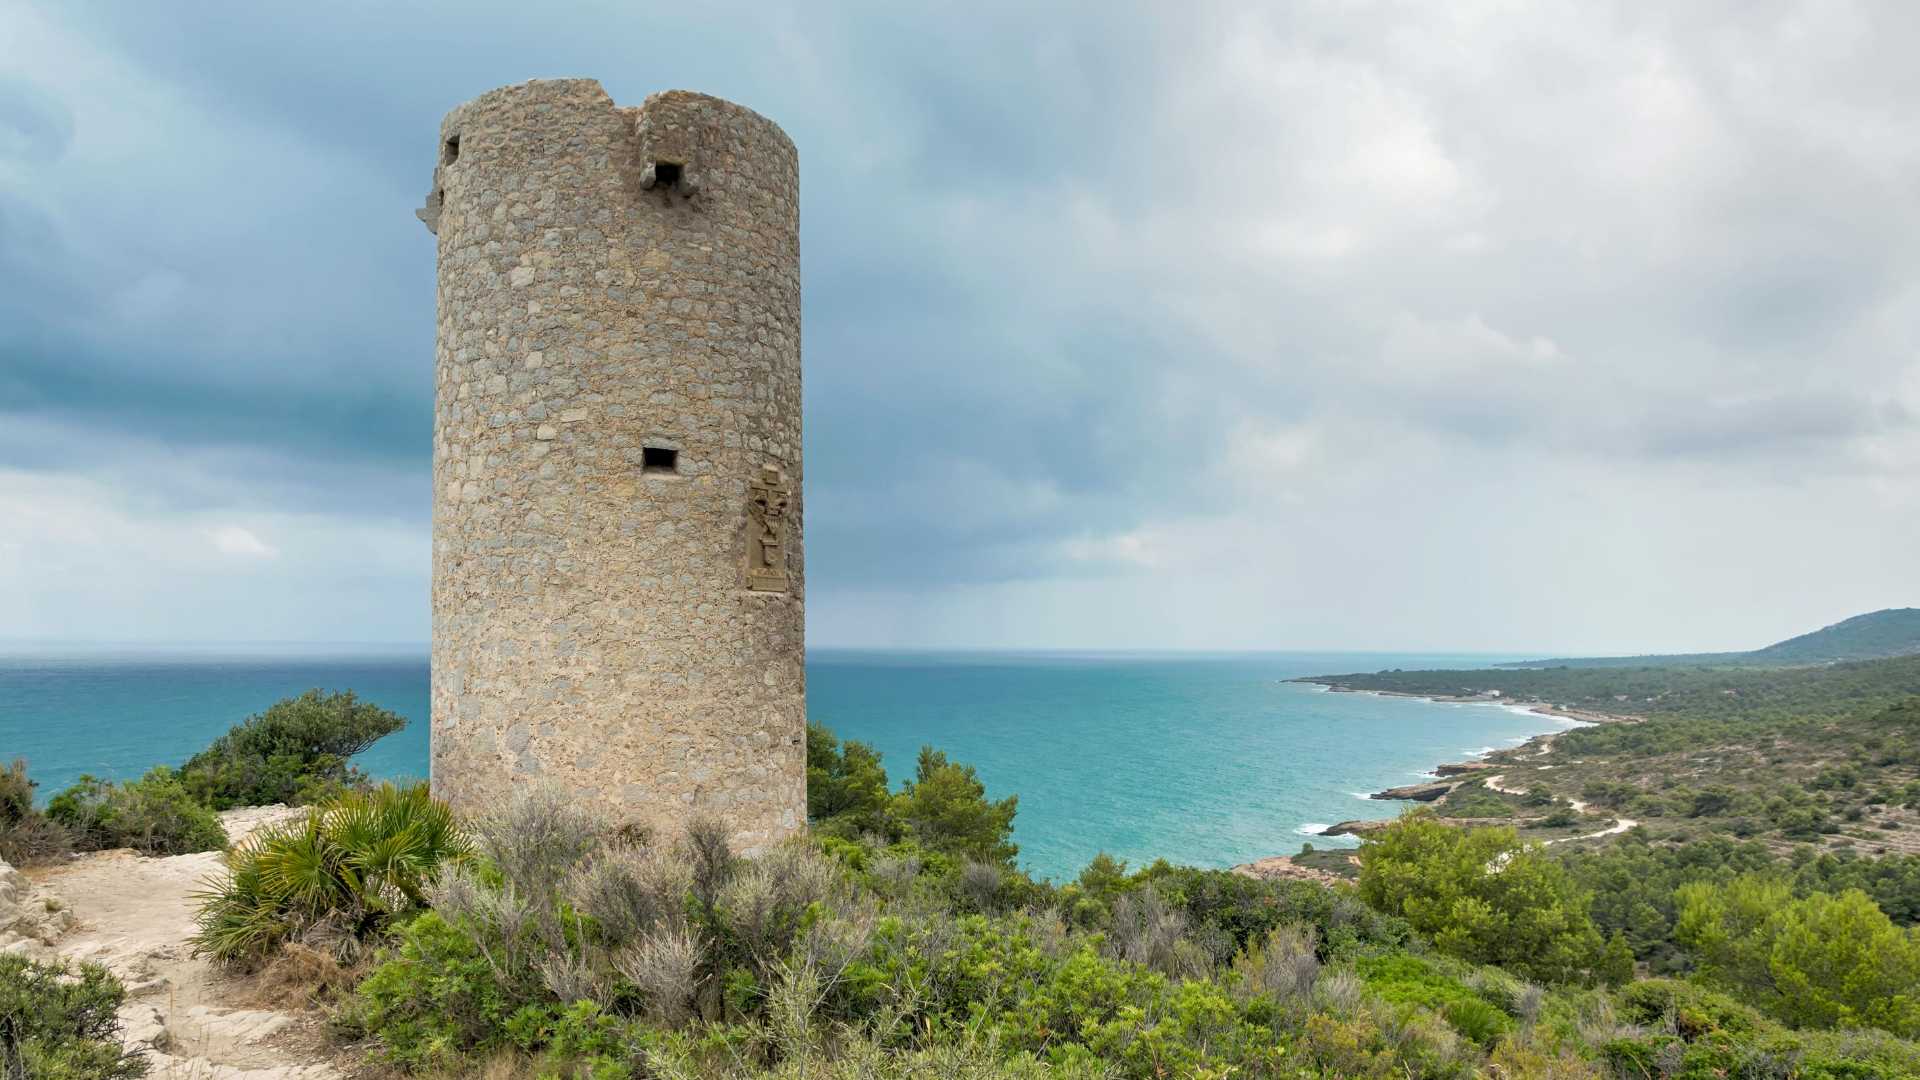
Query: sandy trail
<point x="135" y="915"/>
<point x="1619" y="825"/>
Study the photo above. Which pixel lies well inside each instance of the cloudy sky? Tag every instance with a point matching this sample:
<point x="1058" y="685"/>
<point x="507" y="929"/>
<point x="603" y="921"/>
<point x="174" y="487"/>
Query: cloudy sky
<point x="1528" y="326"/>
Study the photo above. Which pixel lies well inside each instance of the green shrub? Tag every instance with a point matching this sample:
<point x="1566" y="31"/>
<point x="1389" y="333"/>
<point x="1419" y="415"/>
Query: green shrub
<point x="435" y="999"/>
<point x="1818" y="961"/>
<point x="26" y="835"/>
<point x="945" y="808"/>
<point x="338" y="877"/>
<point x="59" y="1024"/>
<point x="554" y="910"/>
<point x="154" y="815"/>
<point x="1227" y="911"/>
<point x="1685" y="1008"/>
<point x="295" y="752"/>
<point x="846" y="786"/>
<point x="1481" y="895"/>
<point x="1403" y="979"/>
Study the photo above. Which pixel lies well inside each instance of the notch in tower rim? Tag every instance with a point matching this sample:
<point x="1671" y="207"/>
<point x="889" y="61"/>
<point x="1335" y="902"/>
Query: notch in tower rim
<point x="669" y="174"/>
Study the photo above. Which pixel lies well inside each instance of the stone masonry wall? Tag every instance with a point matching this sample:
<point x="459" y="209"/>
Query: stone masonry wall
<point x="617" y="570"/>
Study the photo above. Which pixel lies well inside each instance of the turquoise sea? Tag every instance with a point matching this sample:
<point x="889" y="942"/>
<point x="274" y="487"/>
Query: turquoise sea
<point x="1205" y="759"/>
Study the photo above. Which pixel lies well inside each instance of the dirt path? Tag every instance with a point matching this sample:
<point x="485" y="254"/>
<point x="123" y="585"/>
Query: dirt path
<point x="135" y="915"/>
<point x="1619" y="825"/>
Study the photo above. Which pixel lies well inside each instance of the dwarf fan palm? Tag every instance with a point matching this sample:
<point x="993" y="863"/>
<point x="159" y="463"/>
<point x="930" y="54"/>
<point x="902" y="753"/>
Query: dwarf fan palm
<point x="343" y="872"/>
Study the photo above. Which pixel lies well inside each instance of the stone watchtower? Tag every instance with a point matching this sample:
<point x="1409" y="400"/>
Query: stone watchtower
<point x="617" y="600"/>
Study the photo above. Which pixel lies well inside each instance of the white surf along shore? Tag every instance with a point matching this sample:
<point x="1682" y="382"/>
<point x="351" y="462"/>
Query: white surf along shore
<point x="1566" y="719"/>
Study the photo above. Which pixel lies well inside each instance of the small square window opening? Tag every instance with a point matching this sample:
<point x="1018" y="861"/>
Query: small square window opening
<point x="659" y="459"/>
<point x="666" y="174"/>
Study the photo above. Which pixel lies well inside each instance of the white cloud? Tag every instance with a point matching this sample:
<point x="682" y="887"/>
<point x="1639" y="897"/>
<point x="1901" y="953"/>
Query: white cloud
<point x="1550" y="325"/>
<point x="79" y="561"/>
<point x="235" y="540"/>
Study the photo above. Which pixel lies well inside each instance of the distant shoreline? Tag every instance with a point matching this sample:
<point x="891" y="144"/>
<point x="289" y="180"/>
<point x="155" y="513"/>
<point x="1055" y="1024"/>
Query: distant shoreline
<point x="1450" y="775"/>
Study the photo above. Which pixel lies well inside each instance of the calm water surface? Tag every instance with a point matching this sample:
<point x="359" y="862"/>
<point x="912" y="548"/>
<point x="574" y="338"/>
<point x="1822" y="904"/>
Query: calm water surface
<point x="1210" y="760"/>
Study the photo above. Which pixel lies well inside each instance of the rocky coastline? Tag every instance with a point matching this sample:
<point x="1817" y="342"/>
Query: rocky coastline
<point x="1452" y="774"/>
<point x="1448" y="775"/>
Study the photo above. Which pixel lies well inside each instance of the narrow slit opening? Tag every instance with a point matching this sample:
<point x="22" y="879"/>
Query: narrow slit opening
<point x="659" y="459"/>
<point x="450" y="153"/>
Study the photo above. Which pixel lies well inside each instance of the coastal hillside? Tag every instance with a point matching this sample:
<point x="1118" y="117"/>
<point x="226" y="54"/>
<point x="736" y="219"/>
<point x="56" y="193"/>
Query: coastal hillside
<point x="1687" y="693"/>
<point x="1696" y="771"/>
<point x="1825" y="756"/>
<point x="1873" y="636"/>
<point x="379" y="933"/>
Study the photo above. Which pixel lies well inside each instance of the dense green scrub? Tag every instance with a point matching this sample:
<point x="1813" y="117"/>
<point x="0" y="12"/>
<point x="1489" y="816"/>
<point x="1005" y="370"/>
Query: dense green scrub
<point x="58" y="1023"/>
<point x="898" y="940"/>
<point x="297" y="752"/>
<point x="1703" y="692"/>
<point x="1827" y="756"/>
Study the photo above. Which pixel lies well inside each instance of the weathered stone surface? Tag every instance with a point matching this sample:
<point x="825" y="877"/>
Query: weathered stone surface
<point x="618" y="371"/>
<point x="1415" y="792"/>
<point x="30" y="920"/>
<point x="1462" y="768"/>
<point x="1356" y="828"/>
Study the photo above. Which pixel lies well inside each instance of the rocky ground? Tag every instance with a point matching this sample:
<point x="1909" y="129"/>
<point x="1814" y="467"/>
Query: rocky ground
<point x="135" y="915"/>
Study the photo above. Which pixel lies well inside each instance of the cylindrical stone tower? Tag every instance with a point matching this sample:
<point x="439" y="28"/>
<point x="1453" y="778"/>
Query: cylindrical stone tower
<point x="617" y="600"/>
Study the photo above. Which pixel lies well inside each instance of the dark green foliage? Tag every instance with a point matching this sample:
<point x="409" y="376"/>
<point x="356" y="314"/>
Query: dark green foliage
<point x="1473" y="800"/>
<point x="297" y="751"/>
<point x="16" y="793"/>
<point x="1685" y="1030"/>
<point x="1229" y="912"/>
<point x="154" y="815"/>
<point x="846" y="784"/>
<point x="1878" y="634"/>
<point x="945" y="808"/>
<point x="1822" y="960"/>
<point x="1481" y="895"/>
<point x="61" y="1024"/>
<point x="27" y="836"/>
<point x="435" y="999"/>
<point x="339" y="876"/>
<point x="894" y="951"/>
<point x="1815" y="755"/>
<point x="1404" y="979"/>
<point x="1634" y="884"/>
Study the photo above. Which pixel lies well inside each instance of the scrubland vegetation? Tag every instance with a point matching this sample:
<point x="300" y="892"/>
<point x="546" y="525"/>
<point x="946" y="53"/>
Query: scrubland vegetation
<point x="899" y="939"/>
<point x="1823" y="756"/>
<point x="58" y="1023"/>
<point x="296" y="752"/>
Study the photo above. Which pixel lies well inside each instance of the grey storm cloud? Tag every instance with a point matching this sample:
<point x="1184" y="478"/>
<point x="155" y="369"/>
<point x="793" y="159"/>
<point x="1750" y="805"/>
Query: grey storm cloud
<point x="1096" y="296"/>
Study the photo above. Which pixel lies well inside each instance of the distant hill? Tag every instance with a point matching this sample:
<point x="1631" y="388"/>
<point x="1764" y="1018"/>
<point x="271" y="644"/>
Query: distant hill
<point x="1874" y="636"/>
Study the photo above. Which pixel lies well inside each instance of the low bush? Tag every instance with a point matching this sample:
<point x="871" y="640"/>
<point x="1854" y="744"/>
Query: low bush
<point x="27" y="836"/>
<point x="943" y="809"/>
<point x="563" y="948"/>
<point x="1404" y="979"/>
<point x="297" y="751"/>
<point x="154" y="815"/>
<point x="1822" y="960"/>
<point x="60" y="1024"/>
<point x="1481" y="895"/>
<point x="335" y="879"/>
